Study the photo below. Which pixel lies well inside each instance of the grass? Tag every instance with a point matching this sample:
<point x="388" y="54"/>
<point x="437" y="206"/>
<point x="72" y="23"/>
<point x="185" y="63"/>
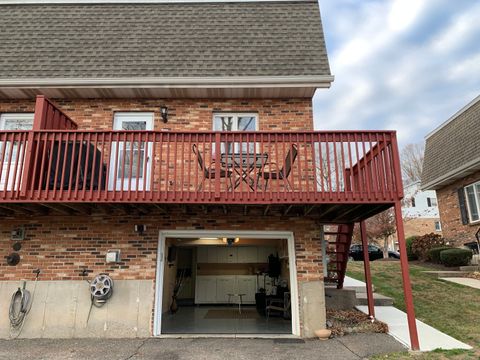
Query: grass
<point x="451" y="308"/>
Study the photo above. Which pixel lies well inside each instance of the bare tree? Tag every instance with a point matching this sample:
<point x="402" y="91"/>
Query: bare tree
<point x="412" y="161"/>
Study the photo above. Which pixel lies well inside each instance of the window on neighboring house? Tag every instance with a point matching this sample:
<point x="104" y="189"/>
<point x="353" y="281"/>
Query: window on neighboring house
<point x="431" y="202"/>
<point x="235" y="122"/>
<point x="438" y="226"/>
<point x="413" y="201"/>
<point x="472" y="196"/>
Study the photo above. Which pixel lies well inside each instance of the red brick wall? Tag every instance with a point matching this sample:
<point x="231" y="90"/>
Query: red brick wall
<point x="184" y="114"/>
<point x="63" y="245"/>
<point x="452" y="227"/>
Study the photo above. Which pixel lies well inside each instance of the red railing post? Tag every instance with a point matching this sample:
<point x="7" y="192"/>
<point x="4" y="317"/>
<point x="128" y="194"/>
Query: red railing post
<point x="396" y="167"/>
<point x="407" y="287"/>
<point x="217" y="164"/>
<point x="366" y="268"/>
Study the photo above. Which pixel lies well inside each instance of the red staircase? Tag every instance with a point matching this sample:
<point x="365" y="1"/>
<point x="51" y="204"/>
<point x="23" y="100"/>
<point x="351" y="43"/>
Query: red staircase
<point x="339" y="241"/>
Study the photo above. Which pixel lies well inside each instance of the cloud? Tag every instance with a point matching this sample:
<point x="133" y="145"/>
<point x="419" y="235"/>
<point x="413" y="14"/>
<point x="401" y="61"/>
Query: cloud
<point x="406" y="65"/>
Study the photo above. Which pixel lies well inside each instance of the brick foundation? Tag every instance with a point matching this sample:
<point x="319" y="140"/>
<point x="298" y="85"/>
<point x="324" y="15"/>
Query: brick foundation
<point x="452" y="227"/>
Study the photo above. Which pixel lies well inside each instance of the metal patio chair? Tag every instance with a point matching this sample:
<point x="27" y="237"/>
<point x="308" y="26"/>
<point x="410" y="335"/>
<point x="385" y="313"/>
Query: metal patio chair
<point x="209" y="172"/>
<point x="281" y="174"/>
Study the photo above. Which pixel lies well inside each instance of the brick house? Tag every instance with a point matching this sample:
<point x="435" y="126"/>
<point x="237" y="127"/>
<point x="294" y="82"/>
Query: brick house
<point x="452" y="168"/>
<point x="172" y="142"/>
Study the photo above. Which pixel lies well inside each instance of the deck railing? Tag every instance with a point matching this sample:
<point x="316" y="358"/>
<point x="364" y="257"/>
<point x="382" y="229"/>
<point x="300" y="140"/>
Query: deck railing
<point x="199" y="167"/>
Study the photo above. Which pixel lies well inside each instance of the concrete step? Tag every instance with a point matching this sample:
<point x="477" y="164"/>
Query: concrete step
<point x="446" y="273"/>
<point x="470" y="268"/>
<point x="378" y="299"/>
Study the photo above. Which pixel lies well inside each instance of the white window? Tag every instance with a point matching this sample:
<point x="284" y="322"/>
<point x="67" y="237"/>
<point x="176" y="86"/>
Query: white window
<point x="9" y="151"/>
<point x="472" y="195"/>
<point x="431" y="202"/>
<point x="438" y="226"/>
<point x="235" y="122"/>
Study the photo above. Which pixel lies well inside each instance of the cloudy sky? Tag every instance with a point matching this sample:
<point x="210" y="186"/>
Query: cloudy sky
<point x="406" y="65"/>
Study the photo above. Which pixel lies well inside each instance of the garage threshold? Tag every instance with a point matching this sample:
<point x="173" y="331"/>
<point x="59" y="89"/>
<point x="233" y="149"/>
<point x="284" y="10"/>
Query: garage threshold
<point x="228" y="336"/>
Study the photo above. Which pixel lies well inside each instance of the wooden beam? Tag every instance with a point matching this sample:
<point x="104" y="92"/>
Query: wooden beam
<point x="289" y="207"/>
<point x="265" y="212"/>
<point x="308" y="209"/>
<point x="17" y="209"/>
<point x="80" y="208"/>
<point x="59" y="208"/>
<point x="245" y="210"/>
<point x="225" y="209"/>
<point x="161" y="208"/>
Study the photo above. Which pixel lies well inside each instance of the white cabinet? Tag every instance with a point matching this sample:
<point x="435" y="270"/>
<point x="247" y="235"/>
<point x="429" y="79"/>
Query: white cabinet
<point x="214" y="289"/>
<point x="247" y="284"/>
<point x="202" y="254"/>
<point x="225" y="286"/>
<point x="207" y="254"/>
<point x="263" y="252"/>
<point x="206" y="289"/>
<point x="227" y="255"/>
<point x="247" y="254"/>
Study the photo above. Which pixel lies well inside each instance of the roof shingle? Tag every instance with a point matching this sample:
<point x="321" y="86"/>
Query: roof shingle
<point x="162" y="40"/>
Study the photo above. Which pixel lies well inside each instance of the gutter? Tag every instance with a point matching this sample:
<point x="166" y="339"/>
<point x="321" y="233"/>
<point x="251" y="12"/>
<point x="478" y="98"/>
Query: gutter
<point x="319" y="81"/>
<point x="471" y="165"/>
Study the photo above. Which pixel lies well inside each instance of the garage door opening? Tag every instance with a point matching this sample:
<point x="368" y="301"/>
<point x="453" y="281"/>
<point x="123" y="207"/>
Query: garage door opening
<point x="226" y="283"/>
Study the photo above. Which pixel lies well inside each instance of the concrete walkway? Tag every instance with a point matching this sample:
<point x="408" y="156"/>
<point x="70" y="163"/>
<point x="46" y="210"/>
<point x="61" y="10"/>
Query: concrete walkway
<point x="474" y="283"/>
<point x="350" y="347"/>
<point x="429" y="337"/>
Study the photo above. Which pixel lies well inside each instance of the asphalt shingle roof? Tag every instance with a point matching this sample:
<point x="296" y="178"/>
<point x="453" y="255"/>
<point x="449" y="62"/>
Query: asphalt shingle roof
<point x="454" y="145"/>
<point x="162" y="40"/>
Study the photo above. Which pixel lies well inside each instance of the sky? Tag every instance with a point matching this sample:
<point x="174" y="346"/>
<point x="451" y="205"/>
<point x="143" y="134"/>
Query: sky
<point x="405" y="65"/>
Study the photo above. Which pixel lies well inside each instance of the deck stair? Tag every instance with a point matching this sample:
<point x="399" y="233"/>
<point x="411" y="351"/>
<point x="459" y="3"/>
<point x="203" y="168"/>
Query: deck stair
<point x="339" y="238"/>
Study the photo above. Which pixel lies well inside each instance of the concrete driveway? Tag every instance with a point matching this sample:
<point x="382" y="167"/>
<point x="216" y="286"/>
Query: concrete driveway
<point x="357" y="346"/>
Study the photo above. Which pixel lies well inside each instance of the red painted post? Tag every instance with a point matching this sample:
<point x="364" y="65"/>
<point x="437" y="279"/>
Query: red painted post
<point x="407" y="288"/>
<point x="217" y="165"/>
<point x="366" y="267"/>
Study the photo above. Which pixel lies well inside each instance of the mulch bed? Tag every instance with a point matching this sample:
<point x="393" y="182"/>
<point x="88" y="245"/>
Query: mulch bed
<point x="343" y="322"/>
<point x="474" y="275"/>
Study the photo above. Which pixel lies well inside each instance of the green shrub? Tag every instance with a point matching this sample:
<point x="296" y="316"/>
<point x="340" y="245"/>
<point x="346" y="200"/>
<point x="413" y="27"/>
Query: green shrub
<point x="422" y="244"/>
<point x="408" y="243"/>
<point x="433" y="255"/>
<point x="456" y="257"/>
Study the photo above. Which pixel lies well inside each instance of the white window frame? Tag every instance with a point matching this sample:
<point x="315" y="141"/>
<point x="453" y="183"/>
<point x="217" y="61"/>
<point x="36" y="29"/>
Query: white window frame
<point x="115" y="183"/>
<point x="477" y="201"/>
<point x="236" y="115"/>
<point x="437" y="222"/>
<point x="4" y="165"/>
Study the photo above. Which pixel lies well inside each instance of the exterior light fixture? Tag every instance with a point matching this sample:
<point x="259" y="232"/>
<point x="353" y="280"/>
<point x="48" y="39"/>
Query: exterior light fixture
<point x="230" y="241"/>
<point x="164" y="113"/>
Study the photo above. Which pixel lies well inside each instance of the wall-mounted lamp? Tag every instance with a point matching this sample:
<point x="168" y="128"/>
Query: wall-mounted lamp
<point x="164" y="113"/>
<point x="230" y="241"/>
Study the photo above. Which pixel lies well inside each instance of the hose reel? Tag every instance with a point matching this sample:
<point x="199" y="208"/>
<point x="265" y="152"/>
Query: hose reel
<point x="101" y="289"/>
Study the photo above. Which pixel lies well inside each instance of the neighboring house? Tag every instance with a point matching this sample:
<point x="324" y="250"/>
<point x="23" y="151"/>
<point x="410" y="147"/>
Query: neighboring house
<point x="452" y="168"/>
<point x="177" y="155"/>
<point x="420" y="211"/>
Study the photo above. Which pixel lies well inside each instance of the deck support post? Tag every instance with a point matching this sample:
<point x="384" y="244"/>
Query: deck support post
<point x="366" y="268"/>
<point x="407" y="287"/>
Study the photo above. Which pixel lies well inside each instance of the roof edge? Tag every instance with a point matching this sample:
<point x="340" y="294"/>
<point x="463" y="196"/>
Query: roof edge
<point x="452" y="175"/>
<point x="453" y="117"/>
<point x="319" y="81"/>
<point x="76" y="2"/>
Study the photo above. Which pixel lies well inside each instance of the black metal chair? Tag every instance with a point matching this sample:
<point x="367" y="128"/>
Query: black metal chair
<point x="281" y="174"/>
<point x="209" y="172"/>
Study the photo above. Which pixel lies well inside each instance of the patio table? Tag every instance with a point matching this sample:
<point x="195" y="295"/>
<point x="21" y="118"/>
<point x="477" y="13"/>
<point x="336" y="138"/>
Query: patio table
<point x="244" y="164"/>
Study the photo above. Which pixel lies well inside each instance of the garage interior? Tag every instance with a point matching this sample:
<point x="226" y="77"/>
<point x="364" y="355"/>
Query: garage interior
<point x="226" y="286"/>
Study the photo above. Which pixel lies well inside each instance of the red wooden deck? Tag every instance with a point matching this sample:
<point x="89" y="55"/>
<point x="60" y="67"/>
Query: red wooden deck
<point x="56" y="162"/>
